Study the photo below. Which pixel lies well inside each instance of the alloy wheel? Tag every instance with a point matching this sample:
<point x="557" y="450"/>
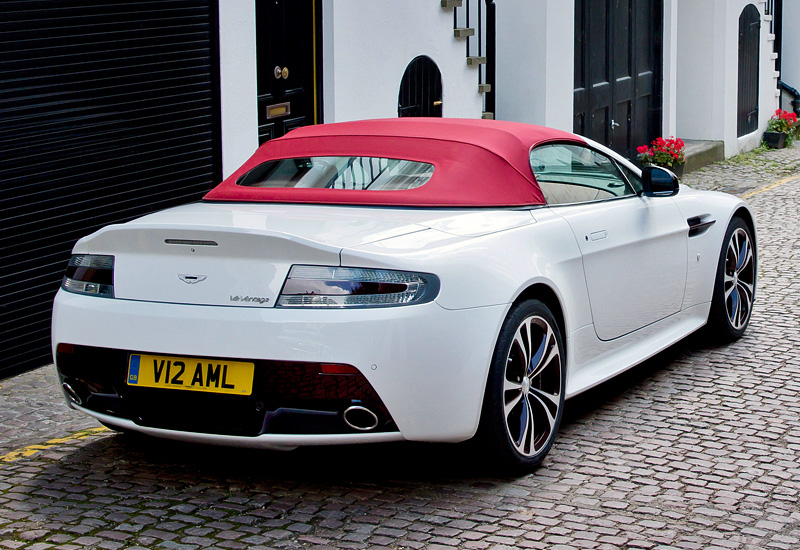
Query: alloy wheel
<point x="532" y="386"/>
<point x="739" y="279"/>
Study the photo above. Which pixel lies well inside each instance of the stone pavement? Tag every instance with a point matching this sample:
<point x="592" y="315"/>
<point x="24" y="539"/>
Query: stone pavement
<point x="698" y="448"/>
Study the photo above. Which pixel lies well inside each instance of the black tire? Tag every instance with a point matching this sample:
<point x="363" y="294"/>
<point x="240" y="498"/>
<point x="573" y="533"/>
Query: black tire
<point x="524" y="399"/>
<point x="735" y="284"/>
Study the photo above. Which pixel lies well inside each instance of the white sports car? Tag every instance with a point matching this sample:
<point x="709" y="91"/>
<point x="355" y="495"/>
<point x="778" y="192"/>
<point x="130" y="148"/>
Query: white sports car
<point x="407" y="279"/>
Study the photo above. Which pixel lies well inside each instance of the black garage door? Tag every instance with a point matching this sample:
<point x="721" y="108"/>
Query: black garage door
<point x="108" y="110"/>
<point x="618" y="62"/>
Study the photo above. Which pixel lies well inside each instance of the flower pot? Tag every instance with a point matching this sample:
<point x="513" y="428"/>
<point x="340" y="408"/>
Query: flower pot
<point x="776" y="140"/>
<point x="676" y="169"/>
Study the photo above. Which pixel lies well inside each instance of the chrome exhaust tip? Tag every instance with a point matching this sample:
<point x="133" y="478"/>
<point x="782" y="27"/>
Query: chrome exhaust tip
<point x="360" y="418"/>
<point x="72" y="394"/>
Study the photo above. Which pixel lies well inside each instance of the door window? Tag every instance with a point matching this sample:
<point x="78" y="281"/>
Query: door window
<point x="569" y="174"/>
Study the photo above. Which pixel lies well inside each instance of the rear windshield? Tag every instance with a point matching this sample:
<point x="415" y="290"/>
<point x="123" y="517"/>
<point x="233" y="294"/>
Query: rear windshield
<point x="355" y="173"/>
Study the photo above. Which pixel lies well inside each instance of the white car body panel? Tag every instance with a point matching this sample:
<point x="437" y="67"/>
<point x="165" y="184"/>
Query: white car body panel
<point x="629" y="248"/>
<point x="704" y="249"/>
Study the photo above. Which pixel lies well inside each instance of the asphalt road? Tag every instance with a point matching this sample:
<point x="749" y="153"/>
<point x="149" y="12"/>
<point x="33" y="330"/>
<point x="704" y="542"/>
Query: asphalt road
<point x="696" y="448"/>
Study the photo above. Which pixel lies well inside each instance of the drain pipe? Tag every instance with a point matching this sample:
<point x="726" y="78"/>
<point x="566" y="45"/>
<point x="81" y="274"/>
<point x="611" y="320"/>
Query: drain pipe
<point x="793" y="91"/>
<point x="491" y="56"/>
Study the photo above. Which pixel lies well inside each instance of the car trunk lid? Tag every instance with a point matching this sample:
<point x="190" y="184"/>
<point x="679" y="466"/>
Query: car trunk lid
<point x="227" y="256"/>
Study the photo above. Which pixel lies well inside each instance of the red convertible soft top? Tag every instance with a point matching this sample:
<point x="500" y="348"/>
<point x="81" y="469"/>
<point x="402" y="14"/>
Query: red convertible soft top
<point x="476" y="162"/>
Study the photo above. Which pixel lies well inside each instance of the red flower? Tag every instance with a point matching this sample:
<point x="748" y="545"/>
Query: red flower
<point x="662" y="152"/>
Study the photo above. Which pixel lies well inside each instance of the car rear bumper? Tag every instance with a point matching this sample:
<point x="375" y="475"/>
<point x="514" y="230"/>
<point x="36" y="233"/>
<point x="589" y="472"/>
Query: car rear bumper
<point x="278" y="442"/>
<point x="427" y="365"/>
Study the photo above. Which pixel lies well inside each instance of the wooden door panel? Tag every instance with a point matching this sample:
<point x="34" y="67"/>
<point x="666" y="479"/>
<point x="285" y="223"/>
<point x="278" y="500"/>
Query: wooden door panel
<point x="617" y="71"/>
<point x="621" y="131"/>
<point x="286" y="71"/>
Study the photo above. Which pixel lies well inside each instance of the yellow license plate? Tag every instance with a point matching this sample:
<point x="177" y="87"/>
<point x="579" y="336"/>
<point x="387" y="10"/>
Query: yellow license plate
<point x="191" y="373"/>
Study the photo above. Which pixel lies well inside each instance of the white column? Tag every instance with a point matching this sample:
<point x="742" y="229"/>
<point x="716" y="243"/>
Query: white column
<point x="535" y="62"/>
<point x="669" y="122"/>
<point x="790" y="49"/>
<point x="238" y="91"/>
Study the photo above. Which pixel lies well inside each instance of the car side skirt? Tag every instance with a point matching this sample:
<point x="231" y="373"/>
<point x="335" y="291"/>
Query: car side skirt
<point x="593" y="361"/>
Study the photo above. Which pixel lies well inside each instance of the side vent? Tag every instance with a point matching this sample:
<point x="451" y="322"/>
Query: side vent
<point x="700" y="224"/>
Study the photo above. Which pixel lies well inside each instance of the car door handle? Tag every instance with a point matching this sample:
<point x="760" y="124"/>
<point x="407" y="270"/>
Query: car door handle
<point x="597" y="235"/>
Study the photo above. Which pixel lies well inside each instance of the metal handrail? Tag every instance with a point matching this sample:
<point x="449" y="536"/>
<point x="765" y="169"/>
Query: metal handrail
<point x="485" y="27"/>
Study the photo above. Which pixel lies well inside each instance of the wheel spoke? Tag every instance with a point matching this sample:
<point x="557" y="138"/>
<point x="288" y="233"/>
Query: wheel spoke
<point x="745" y="257"/>
<point x="729" y="288"/>
<point x="544" y="397"/>
<point x="548" y="343"/>
<point x="508" y="387"/>
<point x="536" y="361"/>
<point x="733" y="314"/>
<point x="511" y="385"/>
<point x="536" y="397"/>
<point x="745" y="303"/>
<point x="523" y="341"/>
<point x="746" y="289"/>
<point x="733" y="252"/>
<point x="525" y="426"/>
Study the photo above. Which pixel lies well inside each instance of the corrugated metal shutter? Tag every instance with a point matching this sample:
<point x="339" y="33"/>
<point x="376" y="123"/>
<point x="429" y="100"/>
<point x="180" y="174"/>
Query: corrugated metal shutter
<point x="108" y="110"/>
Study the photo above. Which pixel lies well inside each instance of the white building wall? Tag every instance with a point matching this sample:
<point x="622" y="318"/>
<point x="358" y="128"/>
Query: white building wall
<point x="535" y="62"/>
<point x="238" y="92"/>
<point x="368" y="44"/>
<point x="708" y="73"/>
<point x="699" y="79"/>
<point x="768" y="84"/>
<point x="669" y="122"/>
<point x="790" y="47"/>
<point x="367" y="47"/>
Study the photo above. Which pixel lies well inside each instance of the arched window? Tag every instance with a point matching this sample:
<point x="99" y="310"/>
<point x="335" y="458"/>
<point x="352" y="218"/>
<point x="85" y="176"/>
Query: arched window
<point x="420" y="89"/>
<point x="749" y="48"/>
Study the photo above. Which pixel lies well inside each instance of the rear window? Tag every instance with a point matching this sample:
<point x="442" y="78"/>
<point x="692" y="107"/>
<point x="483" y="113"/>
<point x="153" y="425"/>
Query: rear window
<point x="354" y="173"/>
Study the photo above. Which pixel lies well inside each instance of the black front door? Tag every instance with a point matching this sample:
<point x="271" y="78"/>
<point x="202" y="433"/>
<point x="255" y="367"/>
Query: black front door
<point x="618" y="59"/>
<point x="287" y="56"/>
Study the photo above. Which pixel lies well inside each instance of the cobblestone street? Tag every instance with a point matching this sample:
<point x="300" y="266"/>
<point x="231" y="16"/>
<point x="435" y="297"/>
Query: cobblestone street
<point x="698" y="448"/>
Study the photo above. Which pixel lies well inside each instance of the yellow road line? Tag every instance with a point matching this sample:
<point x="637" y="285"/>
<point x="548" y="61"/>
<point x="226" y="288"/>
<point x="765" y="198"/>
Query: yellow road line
<point x="31" y="450"/>
<point x="770" y="186"/>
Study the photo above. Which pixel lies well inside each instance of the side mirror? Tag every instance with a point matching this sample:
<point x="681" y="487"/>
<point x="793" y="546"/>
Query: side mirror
<point x="659" y="182"/>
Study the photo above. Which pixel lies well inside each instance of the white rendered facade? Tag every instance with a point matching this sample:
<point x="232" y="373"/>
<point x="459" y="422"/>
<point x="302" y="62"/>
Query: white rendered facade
<point x="707" y="73"/>
<point x="790" y="51"/>
<point x="368" y="44"/>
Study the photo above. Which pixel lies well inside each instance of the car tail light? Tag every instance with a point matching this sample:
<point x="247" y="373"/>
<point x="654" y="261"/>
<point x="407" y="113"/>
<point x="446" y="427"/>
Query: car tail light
<point x="90" y="274"/>
<point x="343" y="287"/>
